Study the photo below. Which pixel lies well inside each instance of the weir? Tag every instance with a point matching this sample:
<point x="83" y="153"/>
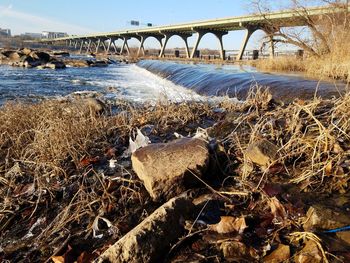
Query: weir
<point x="218" y="27"/>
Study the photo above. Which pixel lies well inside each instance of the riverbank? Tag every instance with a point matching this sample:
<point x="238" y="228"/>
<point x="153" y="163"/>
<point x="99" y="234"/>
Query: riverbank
<point x="70" y="186"/>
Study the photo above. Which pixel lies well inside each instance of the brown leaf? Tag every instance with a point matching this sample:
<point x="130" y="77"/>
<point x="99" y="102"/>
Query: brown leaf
<point x="280" y="254"/>
<point x="310" y="253"/>
<point x="57" y="259"/>
<point x="277" y="209"/>
<point x="229" y="224"/>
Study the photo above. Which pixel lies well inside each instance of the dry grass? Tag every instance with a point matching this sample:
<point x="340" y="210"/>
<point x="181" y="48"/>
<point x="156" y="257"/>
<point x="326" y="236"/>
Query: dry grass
<point x="47" y="153"/>
<point x="312" y="137"/>
<point x="334" y="65"/>
<point x="47" y="177"/>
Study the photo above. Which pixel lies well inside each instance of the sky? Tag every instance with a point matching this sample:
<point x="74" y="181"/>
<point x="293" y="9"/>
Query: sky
<point x="89" y="16"/>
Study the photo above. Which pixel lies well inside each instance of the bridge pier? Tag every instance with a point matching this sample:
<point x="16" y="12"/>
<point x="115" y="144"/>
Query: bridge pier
<point x="98" y="45"/>
<point x="248" y="34"/>
<point x="104" y="45"/>
<point x="200" y="34"/>
<point x="125" y="46"/>
<point x="81" y="46"/>
<point x="219" y="35"/>
<point x="89" y="46"/>
<point x="165" y="42"/>
<point x="142" y="39"/>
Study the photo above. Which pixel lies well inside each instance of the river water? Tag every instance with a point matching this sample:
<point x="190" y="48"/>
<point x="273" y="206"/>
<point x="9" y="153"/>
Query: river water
<point x="151" y="80"/>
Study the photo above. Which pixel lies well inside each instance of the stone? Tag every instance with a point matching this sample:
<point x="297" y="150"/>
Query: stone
<point x="309" y="254"/>
<point x="39" y="55"/>
<point x="280" y="254"/>
<point x="26" y="51"/>
<point x="320" y="217"/>
<point x="76" y="63"/>
<point x="93" y="105"/>
<point x="150" y="241"/>
<point x="164" y="167"/>
<point x="262" y="152"/>
<point x="345" y="236"/>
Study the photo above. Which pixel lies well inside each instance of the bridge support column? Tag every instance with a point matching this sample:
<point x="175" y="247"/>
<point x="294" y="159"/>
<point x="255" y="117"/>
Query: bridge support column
<point x="98" y="45"/>
<point x="164" y="43"/>
<point x="199" y="37"/>
<point x="185" y="39"/>
<point x="104" y="45"/>
<point x="109" y="45"/>
<point x="219" y="36"/>
<point x="125" y="46"/>
<point x="89" y="46"/>
<point x="141" y="47"/>
<point x="248" y="34"/>
<point x="81" y="46"/>
<point x="115" y="48"/>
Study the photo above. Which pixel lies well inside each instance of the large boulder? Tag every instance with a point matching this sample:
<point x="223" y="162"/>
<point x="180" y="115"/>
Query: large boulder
<point x="167" y="169"/>
<point x="151" y="239"/>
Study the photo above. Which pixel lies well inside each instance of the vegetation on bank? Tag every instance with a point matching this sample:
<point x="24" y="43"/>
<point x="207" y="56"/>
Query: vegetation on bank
<point x="324" y="39"/>
<point x="58" y="191"/>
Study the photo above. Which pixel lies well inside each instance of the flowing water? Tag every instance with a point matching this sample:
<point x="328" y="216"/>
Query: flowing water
<point x="153" y="80"/>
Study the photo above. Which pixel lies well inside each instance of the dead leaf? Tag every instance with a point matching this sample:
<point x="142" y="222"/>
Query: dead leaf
<point x="229" y="224"/>
<point x="57" y="259"/>
<point x="310" y="253"/>
<point x="328" y="168"/>
<point x="280" y="254"/>
<point x="277" y="209"/>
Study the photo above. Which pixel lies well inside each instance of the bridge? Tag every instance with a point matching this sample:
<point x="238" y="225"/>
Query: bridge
<point x="218" y="27"/>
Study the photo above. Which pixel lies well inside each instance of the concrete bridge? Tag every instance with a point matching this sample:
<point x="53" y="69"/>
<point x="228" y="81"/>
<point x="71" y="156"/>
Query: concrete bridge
<point x="218" y="27"/>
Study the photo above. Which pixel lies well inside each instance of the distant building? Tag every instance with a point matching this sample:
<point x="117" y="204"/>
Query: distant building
<point x="5" y="32"/>
<point x="52" y="35"/>
<point x="32" y="35"/>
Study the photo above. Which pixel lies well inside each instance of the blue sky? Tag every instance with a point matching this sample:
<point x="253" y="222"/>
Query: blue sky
<point x="88" y="16"/>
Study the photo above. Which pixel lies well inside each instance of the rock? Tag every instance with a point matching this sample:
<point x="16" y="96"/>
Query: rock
<point x="93" y="105"/>
<point x="309" y="254"/>
<point x="77" y="63"/>
<point x="54" y="65"/>
<point x="345" y="236"/>
<point x="163" y="167"/>
<point x="26" y="51"/>
<point x="99" y="63"/>
<point x="320" y="217"/>
<point x="61" y="54"/>
<point x="43" y="57"/>
<point x="262" y="152"/>
<point x="280" y="254"/>
<point x="152" y="238"/>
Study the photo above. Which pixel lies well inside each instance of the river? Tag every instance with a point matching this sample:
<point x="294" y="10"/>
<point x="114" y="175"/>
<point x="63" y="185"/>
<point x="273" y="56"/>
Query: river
<point x="151" y="80"/>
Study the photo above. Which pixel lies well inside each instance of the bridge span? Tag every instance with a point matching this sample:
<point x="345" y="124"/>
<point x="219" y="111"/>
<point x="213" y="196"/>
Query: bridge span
<point x="218" y="27"/>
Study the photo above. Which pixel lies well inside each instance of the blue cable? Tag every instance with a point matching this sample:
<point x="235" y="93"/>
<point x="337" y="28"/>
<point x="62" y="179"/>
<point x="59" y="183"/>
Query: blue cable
<point x="340" y="229"/>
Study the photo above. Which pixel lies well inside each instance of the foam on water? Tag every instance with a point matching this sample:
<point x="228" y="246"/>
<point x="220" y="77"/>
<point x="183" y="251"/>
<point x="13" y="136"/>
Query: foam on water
<point x="120" y="81"/>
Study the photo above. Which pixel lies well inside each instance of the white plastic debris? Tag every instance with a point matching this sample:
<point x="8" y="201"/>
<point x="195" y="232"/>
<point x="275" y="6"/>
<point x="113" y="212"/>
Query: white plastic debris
<point x="202" y="134"/>
<point x="178" y="136"/>
<point x="140" y="141"/>
<point x="95" y="227"/>
<point x="112" y="163"/>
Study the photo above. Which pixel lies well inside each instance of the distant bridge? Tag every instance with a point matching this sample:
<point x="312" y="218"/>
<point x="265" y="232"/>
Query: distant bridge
<point x="218" y="27"/>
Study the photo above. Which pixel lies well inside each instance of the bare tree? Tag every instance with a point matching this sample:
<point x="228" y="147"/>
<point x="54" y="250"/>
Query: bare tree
<point x="317" y="35"/>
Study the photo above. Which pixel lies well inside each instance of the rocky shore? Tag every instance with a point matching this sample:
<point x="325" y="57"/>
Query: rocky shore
<point x="85" y="180"/>
<point x="29" y="58"/>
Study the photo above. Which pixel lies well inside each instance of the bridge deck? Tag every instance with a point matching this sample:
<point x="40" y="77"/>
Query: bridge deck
<point x="285" y="18"/>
